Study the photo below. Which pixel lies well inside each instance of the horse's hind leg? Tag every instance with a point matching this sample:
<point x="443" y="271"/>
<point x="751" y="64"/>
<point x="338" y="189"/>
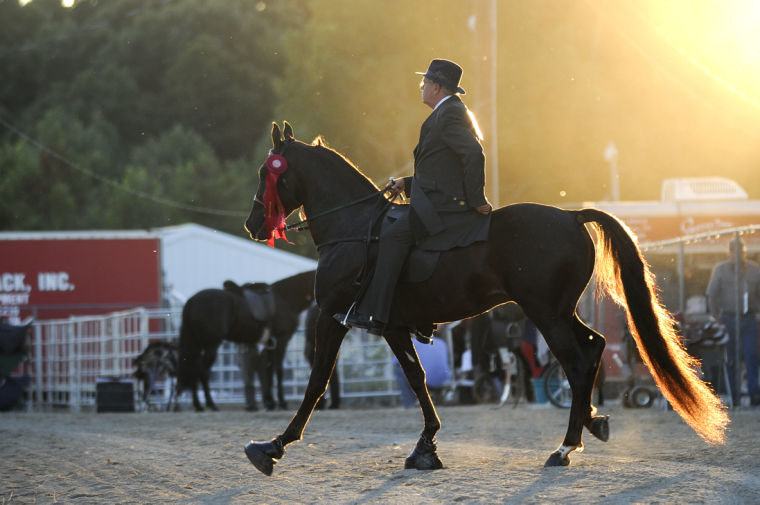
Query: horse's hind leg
<point x="206" y="364"/>
<point x="424" y="455"/>
<point x="328" y="339"/>
<point x="580" y="357"/>
<point x="597" y="425"/>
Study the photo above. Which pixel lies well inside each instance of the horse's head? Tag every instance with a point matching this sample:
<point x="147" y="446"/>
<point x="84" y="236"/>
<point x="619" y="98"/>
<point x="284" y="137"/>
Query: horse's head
<point x="314" y="176"/>
<point x="276" y="196"/>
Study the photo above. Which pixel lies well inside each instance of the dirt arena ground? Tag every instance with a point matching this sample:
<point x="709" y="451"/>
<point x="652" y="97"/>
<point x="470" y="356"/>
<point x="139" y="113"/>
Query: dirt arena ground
<point x="357" y="456"/>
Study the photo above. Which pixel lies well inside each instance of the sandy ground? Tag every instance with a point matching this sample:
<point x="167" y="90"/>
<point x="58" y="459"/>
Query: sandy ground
<point x="357" y="456"/>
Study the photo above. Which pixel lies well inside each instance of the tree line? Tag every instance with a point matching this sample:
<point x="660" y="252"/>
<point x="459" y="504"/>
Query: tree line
<point x="129" y="114"/>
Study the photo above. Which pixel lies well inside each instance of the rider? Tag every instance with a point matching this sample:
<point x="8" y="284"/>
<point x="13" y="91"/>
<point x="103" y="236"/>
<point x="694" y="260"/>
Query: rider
<point x="448" y="204"/>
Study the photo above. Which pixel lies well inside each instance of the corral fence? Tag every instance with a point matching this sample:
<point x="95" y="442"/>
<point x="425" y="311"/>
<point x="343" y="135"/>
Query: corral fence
<point x="68" y="357"/>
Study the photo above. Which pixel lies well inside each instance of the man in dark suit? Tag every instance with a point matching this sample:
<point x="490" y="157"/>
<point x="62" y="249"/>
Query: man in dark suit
<point x="448" y="204"/>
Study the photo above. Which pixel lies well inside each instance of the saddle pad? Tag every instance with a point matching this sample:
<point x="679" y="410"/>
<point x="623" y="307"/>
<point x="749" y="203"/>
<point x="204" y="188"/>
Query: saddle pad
<point x="261" y="304"/>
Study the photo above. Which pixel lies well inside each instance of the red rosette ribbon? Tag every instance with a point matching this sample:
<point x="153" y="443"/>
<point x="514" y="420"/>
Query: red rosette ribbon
<point x="275" y="211"/>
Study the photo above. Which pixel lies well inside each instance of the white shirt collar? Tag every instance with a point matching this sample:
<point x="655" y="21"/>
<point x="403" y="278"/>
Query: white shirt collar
<point x="442" y="100"/>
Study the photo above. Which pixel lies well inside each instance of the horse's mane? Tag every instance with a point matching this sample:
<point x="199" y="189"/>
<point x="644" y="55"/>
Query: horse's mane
<point x="330" y="156"/>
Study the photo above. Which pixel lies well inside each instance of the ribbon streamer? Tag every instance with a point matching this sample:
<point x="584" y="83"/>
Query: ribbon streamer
<point x="275" y="211"/>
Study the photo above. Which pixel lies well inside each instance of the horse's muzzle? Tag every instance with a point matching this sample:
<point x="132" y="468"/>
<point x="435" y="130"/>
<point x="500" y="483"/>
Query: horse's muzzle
<point x="254" y="231"/>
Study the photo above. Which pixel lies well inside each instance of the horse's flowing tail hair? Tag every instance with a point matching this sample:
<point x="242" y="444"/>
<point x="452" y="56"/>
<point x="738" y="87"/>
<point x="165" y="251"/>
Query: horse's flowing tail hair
<point x="623" y="273"/>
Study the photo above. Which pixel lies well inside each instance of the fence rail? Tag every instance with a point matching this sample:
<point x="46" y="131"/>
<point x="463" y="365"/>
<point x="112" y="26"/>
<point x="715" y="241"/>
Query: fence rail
<point x="68" y="357"/>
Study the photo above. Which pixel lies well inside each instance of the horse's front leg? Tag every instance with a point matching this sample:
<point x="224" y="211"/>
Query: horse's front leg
<point x="329" y="337"/>
<point x="424" y="456"/>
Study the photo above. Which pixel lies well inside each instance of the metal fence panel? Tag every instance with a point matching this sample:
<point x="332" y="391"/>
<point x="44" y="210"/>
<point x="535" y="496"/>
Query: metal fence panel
<point x="68" y="357"/>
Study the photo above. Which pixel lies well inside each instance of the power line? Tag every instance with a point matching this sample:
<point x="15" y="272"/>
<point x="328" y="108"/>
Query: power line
<point x="118" y="185"/>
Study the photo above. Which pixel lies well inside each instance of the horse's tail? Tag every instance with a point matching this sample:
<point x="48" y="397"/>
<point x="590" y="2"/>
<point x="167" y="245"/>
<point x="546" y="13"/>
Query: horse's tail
<point x="623" y="273"/>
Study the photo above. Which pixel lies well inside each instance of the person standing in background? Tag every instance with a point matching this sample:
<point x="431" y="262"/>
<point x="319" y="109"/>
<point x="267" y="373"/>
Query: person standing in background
<point x="722" y="302"/>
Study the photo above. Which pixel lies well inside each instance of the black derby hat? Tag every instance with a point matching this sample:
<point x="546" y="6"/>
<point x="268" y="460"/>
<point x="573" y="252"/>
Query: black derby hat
<point x="446" y="73"/>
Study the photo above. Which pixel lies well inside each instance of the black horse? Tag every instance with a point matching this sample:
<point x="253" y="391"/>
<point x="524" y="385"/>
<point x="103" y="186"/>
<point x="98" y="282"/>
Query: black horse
<point x="539" y="256"/>
<point x="213" y="315"/>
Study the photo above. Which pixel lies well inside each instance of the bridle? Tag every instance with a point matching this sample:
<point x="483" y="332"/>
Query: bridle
<point x="303" y="224"/>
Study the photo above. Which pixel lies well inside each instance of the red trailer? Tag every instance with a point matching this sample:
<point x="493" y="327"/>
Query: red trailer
<point x="49" y="276"/>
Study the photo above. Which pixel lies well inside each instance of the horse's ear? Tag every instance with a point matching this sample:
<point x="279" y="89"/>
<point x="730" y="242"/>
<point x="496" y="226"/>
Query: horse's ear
<point x="276" y="137"/>
<point x="288" y="132"/>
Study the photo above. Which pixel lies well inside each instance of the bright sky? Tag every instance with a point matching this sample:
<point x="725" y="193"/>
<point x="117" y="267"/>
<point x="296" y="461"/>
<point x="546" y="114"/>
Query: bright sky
<point x="722" y="38"/>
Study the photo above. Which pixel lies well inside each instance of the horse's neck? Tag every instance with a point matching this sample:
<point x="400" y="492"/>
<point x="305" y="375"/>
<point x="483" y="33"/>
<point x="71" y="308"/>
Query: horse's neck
<point x="339" y="219"/>
<point x="332" y="203"/>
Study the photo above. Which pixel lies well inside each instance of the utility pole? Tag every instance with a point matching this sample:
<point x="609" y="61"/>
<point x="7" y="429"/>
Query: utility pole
<point x="611" y="155"/>
<point x="494" y="142"/>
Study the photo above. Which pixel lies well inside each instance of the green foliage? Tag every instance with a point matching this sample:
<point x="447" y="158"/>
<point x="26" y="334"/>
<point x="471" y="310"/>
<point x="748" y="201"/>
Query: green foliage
<point x="131" y="114"/>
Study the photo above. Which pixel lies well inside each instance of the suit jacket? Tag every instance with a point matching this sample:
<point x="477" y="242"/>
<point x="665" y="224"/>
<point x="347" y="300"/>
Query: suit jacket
<point x="448" y="181"/>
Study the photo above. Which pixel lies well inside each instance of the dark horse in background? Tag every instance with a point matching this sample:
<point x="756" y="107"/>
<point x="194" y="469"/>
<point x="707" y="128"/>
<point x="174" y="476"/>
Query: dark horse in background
<point x="539" y="256"/>
<point x="213" y="315"/>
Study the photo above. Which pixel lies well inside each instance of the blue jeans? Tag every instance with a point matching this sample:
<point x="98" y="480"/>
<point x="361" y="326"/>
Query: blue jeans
<point x="748" y="339"/>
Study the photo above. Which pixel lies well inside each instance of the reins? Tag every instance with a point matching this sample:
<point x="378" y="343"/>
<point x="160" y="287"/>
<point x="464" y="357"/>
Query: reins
<point x="299" y="226"/>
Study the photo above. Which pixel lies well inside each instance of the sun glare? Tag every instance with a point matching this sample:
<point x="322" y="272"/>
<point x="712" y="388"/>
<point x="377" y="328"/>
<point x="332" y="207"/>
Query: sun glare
<point x="722" y="39"/>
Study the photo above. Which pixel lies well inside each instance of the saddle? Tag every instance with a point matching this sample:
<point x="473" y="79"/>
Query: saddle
<point x="258" y="297"/>
<point x="261" y="303"/>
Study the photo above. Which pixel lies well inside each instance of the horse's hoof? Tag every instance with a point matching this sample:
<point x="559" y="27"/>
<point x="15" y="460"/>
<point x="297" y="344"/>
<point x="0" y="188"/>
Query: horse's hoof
<point x="424" y="456"/>
<point x="600" y="428"/>
<point x="214" y="408"/>
<point x="557" y="459"/>
<point x="263" y="454"/>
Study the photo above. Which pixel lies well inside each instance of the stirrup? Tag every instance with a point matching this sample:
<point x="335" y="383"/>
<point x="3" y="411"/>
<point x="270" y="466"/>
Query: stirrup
<point x="344" y="322"/>
<point x="423" y="338"/>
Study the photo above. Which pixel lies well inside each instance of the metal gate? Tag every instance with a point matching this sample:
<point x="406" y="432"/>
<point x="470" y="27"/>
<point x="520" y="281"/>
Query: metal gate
<point x="68" y="357"/>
